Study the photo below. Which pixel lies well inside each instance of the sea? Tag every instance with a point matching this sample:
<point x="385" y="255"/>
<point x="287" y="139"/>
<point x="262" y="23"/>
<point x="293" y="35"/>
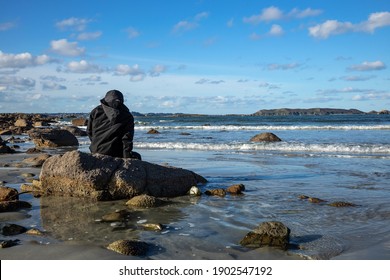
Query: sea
<point x="336" y="158"/>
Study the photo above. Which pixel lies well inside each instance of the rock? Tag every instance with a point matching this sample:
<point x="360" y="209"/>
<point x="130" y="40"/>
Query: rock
<point x="152" y="227"/>
<point x="76" y="131"/>
<point x="80" y="122"/>
<point x="34" y="231"/>
<point x="342" y="204"/>
<point x="116" y="216"/>
<point x="40" y="124"/>
<point x="315" y="200"/>
<point x="13" y="205"/>
<point x="217" y="192"/>
<point x="8" y="243"/>
<point x="36" y="161"/>
<point x="11" y="229"/>
<point x="236" y="189"/>
<point x="144" y="201"/>
<point x="22" y="123"/>
<point x="33" y="151"/>
<point x="153" y="131"/>
<point x="129" y="247"/>
<point x="103" y="177"/>
<point x="7" y="194"/>
<point x="274" y="234"/>
<point x="52" y="137"/>
<point x="4" y="149"/>
<point x="195" y="191"/>
<point x="265" y="137"/>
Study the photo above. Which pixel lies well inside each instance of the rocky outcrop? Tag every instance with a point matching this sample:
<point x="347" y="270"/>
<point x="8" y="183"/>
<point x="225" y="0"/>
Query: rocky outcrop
<point x="52" y="137"/>
<point x="103" y="177"/>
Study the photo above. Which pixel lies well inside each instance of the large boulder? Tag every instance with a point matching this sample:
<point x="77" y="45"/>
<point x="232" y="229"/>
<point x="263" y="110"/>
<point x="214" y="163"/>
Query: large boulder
<point x="49" y="137"/>
<point x="103" y="177"/>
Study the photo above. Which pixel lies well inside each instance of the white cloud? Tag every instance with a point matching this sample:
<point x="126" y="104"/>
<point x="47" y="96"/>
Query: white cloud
<point x="78" y="24"/>
<point x="83" y="66"/>
<point x="184" y="25"/>
<point x="187" y="25"/>
<point x="135" y="72"/>
<point x="267" y="14"/>
<point x="296" y="13"/>
<point x="375" y="20"/>
<point x="276" y="30"/>
<point x="63" y="47"/>
<point x="86" y="36"/>
<point x="334" y="27"/>
<point x="330" y="27"/>
<point x="274" y="13"/>
<point x="368" y="66"/>
<point x="157" y="70"/>
<point x="22" y="60"/>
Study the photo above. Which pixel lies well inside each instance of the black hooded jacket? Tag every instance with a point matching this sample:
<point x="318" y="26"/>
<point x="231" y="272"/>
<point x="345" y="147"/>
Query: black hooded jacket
<point x="111" y="126"/>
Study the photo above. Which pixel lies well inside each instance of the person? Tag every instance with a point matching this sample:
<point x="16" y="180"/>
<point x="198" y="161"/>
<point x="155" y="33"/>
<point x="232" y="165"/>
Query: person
<point x="111" y="127"/>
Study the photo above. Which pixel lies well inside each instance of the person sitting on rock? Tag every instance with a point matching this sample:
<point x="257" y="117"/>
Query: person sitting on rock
<point x="111" y="127"/>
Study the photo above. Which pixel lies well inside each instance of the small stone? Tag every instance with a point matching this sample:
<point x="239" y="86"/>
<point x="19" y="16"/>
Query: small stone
<point x="34" y="231"/>
<point x="302" y="196"/>
<point x="116" y="216"/>
<point x="129" y="247"/>
<point x="152" y="227"/>
<point x="216" y="192"/>
<point x="236" y="189"/>
<point x="195" y="191"/>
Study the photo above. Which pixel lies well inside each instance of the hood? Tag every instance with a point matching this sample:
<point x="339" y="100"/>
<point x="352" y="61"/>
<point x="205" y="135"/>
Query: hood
<point x="113" y="106"/>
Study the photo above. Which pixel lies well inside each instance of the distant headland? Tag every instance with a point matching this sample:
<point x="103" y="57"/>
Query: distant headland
<point x="315" y="112"/>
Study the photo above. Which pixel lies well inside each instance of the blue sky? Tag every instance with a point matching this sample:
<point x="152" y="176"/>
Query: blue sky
<point x="194" y="56"/>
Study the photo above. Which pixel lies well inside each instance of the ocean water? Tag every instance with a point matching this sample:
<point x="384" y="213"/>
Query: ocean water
<point x="334" y="158"/>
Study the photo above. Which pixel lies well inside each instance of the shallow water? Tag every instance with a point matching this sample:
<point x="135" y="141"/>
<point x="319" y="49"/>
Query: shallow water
<point x="340" y="159"/>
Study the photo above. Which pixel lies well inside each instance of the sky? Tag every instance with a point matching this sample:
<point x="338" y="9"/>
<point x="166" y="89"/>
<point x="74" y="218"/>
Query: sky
<point x="194" y="56"/>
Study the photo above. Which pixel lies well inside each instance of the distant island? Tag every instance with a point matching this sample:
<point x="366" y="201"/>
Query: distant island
<point x="314" y="112"/>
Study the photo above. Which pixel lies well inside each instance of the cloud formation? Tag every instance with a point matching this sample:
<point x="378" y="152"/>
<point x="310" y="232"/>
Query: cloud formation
<point x="65" y="48"/>
<point x="368" y="66"/>
<point x="274" y="13"/>
<point x="73" y="23"/>
<point x="22" y="60"/>
<point x="335" y="27"/>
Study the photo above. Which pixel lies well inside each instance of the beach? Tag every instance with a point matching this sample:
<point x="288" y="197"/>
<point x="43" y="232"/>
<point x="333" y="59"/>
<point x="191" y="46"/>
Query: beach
<point x="333" y="158"/>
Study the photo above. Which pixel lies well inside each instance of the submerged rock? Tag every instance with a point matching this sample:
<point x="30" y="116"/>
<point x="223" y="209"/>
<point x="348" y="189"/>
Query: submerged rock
<point x="342" y="204"/>
<point x="274" y="234"/>
<point x="129" y="247"/>
<point x="11" y="229"/>
<point x="103" y="177"/>
<point x="13" y="205"/>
